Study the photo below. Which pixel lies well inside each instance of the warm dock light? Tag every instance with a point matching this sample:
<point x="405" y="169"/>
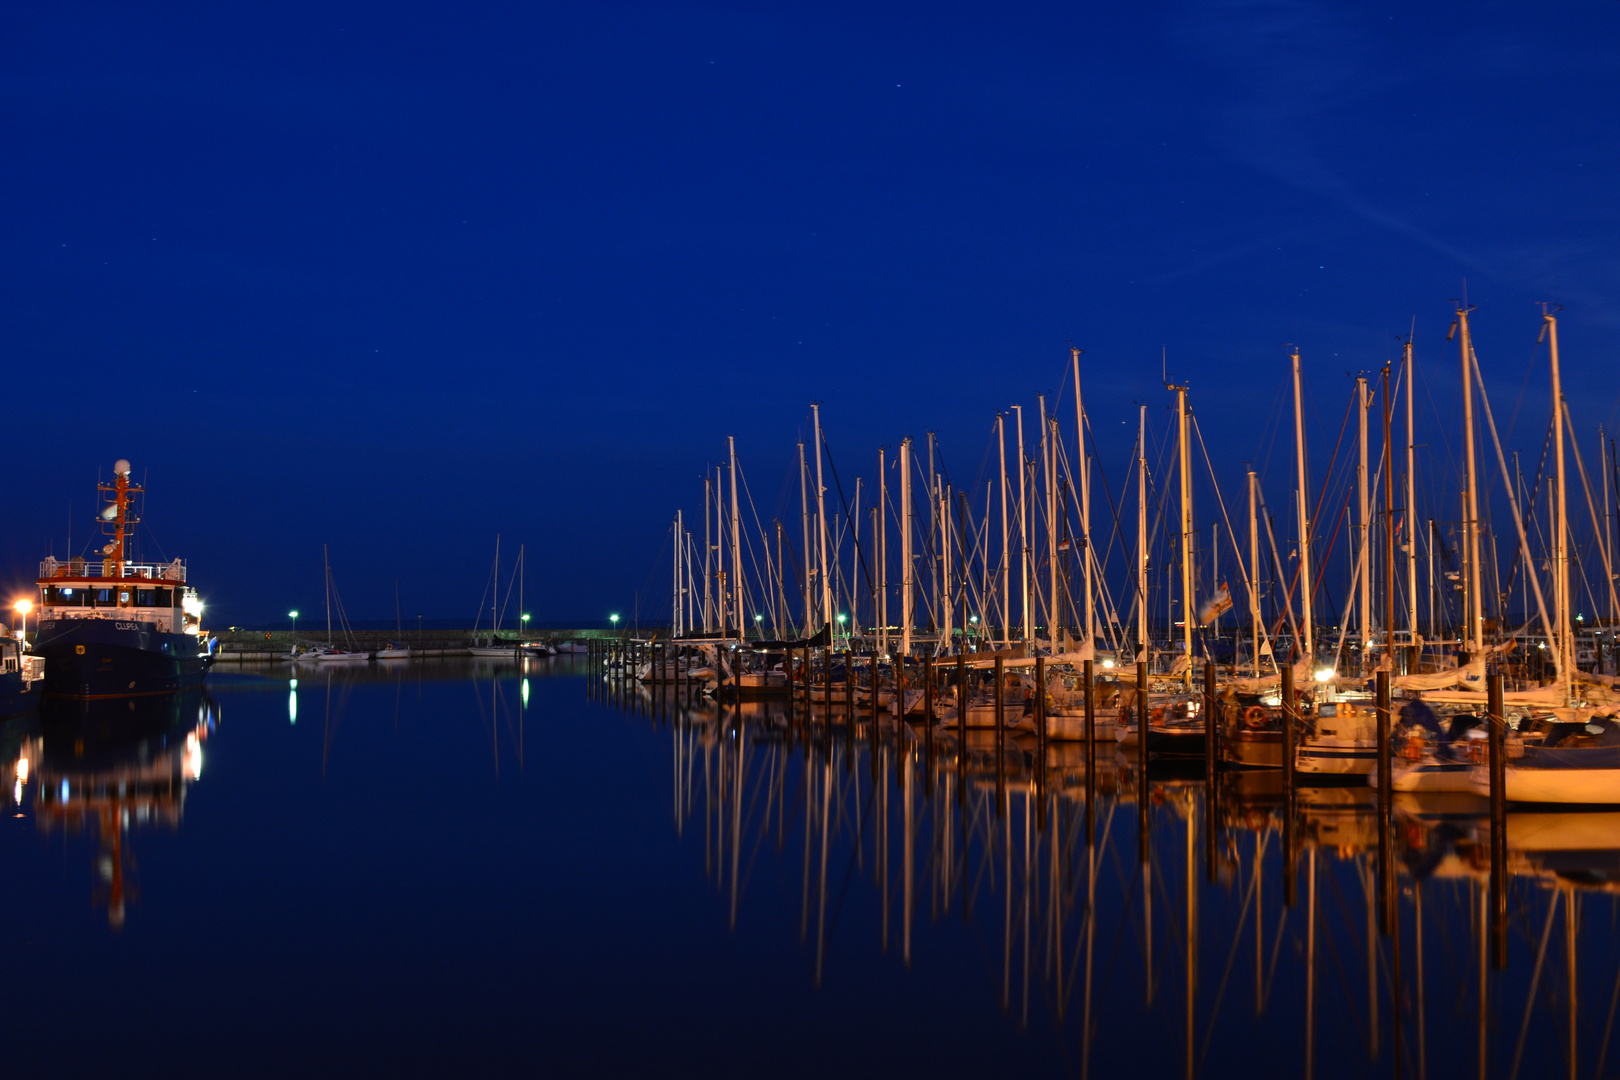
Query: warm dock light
<point x="1324" y="675"/>
<point x="23" y="607"/>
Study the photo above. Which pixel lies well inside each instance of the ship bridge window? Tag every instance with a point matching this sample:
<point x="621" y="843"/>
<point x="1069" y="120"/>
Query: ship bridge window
<point x="103" y="598"/>
<point x="146" y="598"/>
<point x="163" y="598"/>
<point x="63" y="596"/>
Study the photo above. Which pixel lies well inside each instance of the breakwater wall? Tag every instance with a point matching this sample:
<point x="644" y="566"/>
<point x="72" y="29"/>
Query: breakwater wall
<point x="269" y="644"/>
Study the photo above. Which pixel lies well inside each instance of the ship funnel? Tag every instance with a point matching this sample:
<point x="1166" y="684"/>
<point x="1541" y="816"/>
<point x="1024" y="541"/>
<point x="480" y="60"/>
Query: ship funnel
<point x="109" y="511"/>
<point x="121" y="467"/>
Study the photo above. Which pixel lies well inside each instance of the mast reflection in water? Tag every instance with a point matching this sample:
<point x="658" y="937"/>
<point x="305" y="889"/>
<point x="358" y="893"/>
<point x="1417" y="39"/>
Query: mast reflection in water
<point x="1258" y="940"/>
<point x="112" y="766"/>
<point x="429" y="870"/>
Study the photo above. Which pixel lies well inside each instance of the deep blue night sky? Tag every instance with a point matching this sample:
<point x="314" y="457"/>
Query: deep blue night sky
<point x="397" y="278"/>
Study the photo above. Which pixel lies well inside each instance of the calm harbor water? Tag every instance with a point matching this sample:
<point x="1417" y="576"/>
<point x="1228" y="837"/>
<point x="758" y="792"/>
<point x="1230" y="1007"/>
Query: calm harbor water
<point x="489" y="870"/>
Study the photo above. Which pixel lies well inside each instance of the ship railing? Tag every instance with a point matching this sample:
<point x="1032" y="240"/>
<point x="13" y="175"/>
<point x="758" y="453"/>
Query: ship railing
<point x="82" y="568"/>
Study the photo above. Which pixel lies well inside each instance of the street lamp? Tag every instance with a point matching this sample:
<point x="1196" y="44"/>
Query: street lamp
<point x="614" y="619"/>
<point x="293" y="615"/>
<point x="23" y="607"/>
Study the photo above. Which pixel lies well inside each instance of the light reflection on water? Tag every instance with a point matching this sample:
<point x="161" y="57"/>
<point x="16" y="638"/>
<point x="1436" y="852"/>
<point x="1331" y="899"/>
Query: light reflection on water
<point x="1187" y="941"/>
<point x="569" y="852"/>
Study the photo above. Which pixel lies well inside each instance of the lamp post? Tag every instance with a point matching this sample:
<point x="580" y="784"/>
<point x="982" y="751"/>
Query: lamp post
<point x="23" y="607"/>
<point x="524" y="619"/>
<point x="758" y="634"/>
<point x="293" y="615"/>
<point x="614" y="619"/>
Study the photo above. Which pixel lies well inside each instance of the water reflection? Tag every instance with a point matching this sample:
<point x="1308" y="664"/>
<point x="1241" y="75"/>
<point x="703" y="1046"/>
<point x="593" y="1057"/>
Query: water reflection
<point x="113" y="766"/>
<point x="1114" y="895"/>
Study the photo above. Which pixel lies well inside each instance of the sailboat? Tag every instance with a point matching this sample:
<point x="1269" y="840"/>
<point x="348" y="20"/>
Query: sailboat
<point x="395" y="650"/>
<point x="331" y="653"/>
<point x="493" y="650"/>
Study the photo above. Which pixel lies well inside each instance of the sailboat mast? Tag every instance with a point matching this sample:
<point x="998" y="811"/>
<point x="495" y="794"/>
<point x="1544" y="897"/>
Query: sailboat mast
<point x="495" y="590"/>
<point x="1363" y="522"/>
<point x="804" y="510"/>
<point x="1184" y="459"/>
<point x="933" y="514"/>
<point x="906" y="569"/>
<point x="1006" y="533"/>
<point x="326" y="568"/>
<point x="675" y="600"/>
<point x="1389" y="531"/>
<point x="1411" y="514"/>
<point x="1560" y="559"/>
<point x="1307" y="629"/>
<point x="1608" y="548"/>
<point x="882" y="530"/>
<point x="821" y="523"/>
<point x="1141" y="535"/>
<point x="708" y="549"/>
<point x="943" y="599"/>
<point x="1254" y="573"/>
<point x="1023" y="533"/>
<point x="1050" y="605"/>
<point x="1054" y="601"/>
<point x="736" y="542"/>
<point x="1472" y="606"/>
<point x="1085" y="501"/>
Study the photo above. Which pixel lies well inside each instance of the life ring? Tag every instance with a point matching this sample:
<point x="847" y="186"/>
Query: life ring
<point x="1255" y="717"/>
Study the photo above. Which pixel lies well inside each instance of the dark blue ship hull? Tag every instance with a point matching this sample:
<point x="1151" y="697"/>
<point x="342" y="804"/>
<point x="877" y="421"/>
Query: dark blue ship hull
<point x="16" y="695"/>
<point x="106" y="658"/>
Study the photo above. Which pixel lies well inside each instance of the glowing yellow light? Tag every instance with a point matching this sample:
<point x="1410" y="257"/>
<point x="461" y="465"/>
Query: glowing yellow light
<point x="1108" y="665"/>
<point x="22" y="770"/>
<point x="1324" y="675"/>
<point x="23" y="606"/>
<point x="193" y="762"/>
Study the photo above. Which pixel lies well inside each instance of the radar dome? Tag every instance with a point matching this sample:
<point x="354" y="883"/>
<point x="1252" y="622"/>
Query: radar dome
<point x="121" y="467"/>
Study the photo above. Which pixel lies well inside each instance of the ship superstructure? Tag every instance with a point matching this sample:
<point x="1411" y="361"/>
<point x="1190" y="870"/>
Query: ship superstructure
<point x="118" y="627"/>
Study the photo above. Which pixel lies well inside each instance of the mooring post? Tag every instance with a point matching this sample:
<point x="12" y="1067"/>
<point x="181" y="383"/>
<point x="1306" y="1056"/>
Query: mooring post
<point x="1040" y="735"/>
<point x="1089" y="692"/>
<point x="1290" y="711"/>
<point x="1497" y="719"/>
<point x="928" y="724"/>
<point x="1212" y="735"/>
<point x="1142" y="758"/>
<point x="1386" y="840"/>
<point x="1001" y="739"/>
<point x="849" y="692"/>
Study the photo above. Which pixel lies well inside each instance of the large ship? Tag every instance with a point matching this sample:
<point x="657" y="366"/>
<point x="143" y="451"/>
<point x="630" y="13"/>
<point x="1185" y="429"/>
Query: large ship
<point x="119" y="628"/>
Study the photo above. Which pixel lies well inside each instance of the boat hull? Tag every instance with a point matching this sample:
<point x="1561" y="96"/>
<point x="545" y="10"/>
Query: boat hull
<point x="17" y="695"/>
<point x="106" y="658"/>
<point x="1253" y="749"/>
<point x="1337" y="757"/>
<point x="1571" y="787"/>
